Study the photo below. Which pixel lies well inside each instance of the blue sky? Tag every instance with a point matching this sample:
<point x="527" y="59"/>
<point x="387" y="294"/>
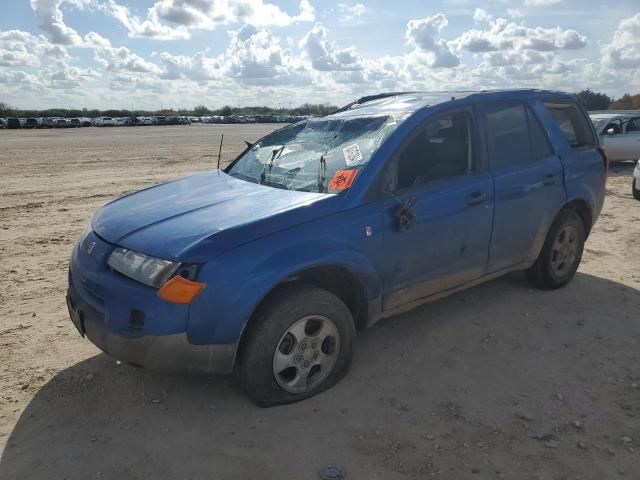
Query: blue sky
<point x="182" y="53"/>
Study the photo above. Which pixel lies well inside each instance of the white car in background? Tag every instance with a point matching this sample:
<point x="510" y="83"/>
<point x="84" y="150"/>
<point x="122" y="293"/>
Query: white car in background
<point x="619" y="134"/>
<point x="106" y="122"/>
<point x="635" y="185"/>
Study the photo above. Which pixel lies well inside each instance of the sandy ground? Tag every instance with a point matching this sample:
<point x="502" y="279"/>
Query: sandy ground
<point x="500" y="381"/>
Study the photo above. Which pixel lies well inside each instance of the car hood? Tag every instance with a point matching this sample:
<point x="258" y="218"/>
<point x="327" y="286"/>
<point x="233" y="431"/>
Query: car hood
<point x="170" y="219"/>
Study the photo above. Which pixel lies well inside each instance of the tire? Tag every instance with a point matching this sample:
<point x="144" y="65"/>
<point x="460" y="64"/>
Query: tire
<point x="280" y="349"/>
<point x="634" y="191"/>
<point x="560" y="256"/>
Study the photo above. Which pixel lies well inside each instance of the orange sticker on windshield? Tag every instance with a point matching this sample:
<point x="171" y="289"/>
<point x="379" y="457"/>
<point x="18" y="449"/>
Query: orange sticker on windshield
<point x="342" y="179"/>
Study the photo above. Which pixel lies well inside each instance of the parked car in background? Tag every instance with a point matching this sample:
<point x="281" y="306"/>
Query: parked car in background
<point x="327" y="225"/>
<point x="32" y="122"/>
<point x="106" y="122"/>
<point x="3" y="122"/>
<point x="619" y="134"/>
<point x="161" y="120"/>
<point x="635" y="184"/>
<point x="85" y="122"/>
<point x="13" y="123"/>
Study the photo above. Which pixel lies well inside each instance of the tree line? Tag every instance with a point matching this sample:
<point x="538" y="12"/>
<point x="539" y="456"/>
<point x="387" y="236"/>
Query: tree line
<point x="198" y="111"/>
<point x="601" y="101"/>
<point x="589" y="99"/>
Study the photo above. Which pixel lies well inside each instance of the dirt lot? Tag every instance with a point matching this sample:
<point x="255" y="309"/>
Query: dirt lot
<point x="500" y="381"/>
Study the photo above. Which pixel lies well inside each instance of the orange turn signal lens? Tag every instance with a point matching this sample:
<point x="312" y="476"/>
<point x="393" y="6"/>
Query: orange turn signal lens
<point x="180" y="290"/>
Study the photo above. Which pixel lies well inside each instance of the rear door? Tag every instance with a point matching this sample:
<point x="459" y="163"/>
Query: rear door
<point x="631" y="136"/>
<point x="575" y="140"/>
<point x="437" y="210"/>
<point x="528" y="178"/>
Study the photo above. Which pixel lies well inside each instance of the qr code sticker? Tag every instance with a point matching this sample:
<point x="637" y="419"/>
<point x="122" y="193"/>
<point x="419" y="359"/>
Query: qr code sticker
<point x="352" y="155"/>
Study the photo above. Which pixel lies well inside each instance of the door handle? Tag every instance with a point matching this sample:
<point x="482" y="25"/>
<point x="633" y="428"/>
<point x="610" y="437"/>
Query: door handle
<point x="549" y="179"/>
<point x="475" y="198"/>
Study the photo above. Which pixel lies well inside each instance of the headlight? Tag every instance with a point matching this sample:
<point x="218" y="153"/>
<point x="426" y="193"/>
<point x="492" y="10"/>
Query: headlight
<point x="143" y="268"/>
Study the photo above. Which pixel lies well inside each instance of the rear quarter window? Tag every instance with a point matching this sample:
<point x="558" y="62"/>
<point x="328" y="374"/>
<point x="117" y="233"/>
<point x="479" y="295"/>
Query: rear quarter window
<point x="572" y="123"/>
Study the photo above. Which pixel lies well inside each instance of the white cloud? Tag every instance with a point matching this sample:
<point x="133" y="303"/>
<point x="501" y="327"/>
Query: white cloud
<point x="50" y="19"/>
<point x="481" y="15"/>
<point x="327" y="55"/>
<point x="424" y="35"/>
<point x="23" y="80"/>
<point x="118" y="59"/>
<point x="173" y="19"/>
<point x="198" y="67"/>
<point x="514" y="13"/>
<point x="348" y="14"/>
<point x="540" y="3"/>
<point x="63" y="76"/>
<point x="18" y="48"/>
<point x="505" y="35"/>
<point x="624" y="50"/>
<point x="149" y="27"/>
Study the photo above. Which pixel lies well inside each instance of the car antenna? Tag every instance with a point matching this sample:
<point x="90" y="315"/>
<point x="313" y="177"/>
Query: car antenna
<point x="220" y="150"/>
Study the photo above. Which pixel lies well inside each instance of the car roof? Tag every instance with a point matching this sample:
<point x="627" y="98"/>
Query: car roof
<point x="409" y="102"/>
<point x="606" y="115"/>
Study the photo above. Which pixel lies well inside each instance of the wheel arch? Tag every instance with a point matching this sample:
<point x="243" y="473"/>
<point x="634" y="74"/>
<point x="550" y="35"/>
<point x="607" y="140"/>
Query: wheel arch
<point x="336" y="279"/>
<point x="585" y="212"/>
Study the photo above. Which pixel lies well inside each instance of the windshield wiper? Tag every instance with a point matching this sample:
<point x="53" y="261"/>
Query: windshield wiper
<point x="263" y="175"/>
<point x="322" y="173"/>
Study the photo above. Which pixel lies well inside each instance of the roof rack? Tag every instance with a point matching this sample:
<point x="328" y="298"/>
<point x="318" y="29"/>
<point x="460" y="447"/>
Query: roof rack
<point x="370" y="98"/>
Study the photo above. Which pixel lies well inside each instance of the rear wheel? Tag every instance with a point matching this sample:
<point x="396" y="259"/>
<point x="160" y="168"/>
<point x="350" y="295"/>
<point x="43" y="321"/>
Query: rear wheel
<point x="300" y="343"/>
<point x="634" y="190"/>
<point x="561" y="254"/>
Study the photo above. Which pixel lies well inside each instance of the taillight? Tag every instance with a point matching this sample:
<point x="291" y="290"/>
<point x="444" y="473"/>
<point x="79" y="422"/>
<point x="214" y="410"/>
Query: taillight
<point x="606" y="161"/>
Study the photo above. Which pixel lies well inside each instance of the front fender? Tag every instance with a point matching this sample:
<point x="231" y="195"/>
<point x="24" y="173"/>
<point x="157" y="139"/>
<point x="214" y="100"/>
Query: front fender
<point x="240" y="279"/>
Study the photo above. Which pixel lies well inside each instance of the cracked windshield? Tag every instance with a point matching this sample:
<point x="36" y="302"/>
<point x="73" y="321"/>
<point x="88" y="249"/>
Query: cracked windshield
<point x="315" y="155"/>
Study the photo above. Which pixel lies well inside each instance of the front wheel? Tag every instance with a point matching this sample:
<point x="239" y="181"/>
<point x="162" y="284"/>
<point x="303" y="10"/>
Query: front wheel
<point x="561" y="253"/>
<point x="299" y="344"/>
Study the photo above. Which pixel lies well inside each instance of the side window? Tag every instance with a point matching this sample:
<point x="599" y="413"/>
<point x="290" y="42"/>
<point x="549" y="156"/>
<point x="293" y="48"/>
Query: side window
<point x="614" y="127"/>
<point x="540" y="147"/>
<point x="634" y="125"/>
<point x="507" y="133"/>
<point x="442" y="148"/>
<point x="572" y="123"/>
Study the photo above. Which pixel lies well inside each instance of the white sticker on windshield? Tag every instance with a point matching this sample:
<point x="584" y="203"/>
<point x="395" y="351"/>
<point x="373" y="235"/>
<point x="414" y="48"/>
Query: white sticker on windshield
<point x="352" y="155"/>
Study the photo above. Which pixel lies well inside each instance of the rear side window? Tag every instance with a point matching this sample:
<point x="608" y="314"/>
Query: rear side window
<point x="573" y="123"/>
<point x="514" y="134"/>
<point x="508" y="133"/>
<point x="540" y="147"/>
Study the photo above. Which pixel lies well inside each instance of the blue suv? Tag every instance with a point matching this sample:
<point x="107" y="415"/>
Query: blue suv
<point x="321" y="228"/>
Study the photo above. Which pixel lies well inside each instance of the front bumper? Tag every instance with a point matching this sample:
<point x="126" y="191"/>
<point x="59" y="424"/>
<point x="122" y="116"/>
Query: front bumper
<point x="127" y="321"/>
<point x="166" y="353"/>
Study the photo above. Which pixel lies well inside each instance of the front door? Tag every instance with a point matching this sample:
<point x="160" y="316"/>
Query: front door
<point x="438" y="211"/>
